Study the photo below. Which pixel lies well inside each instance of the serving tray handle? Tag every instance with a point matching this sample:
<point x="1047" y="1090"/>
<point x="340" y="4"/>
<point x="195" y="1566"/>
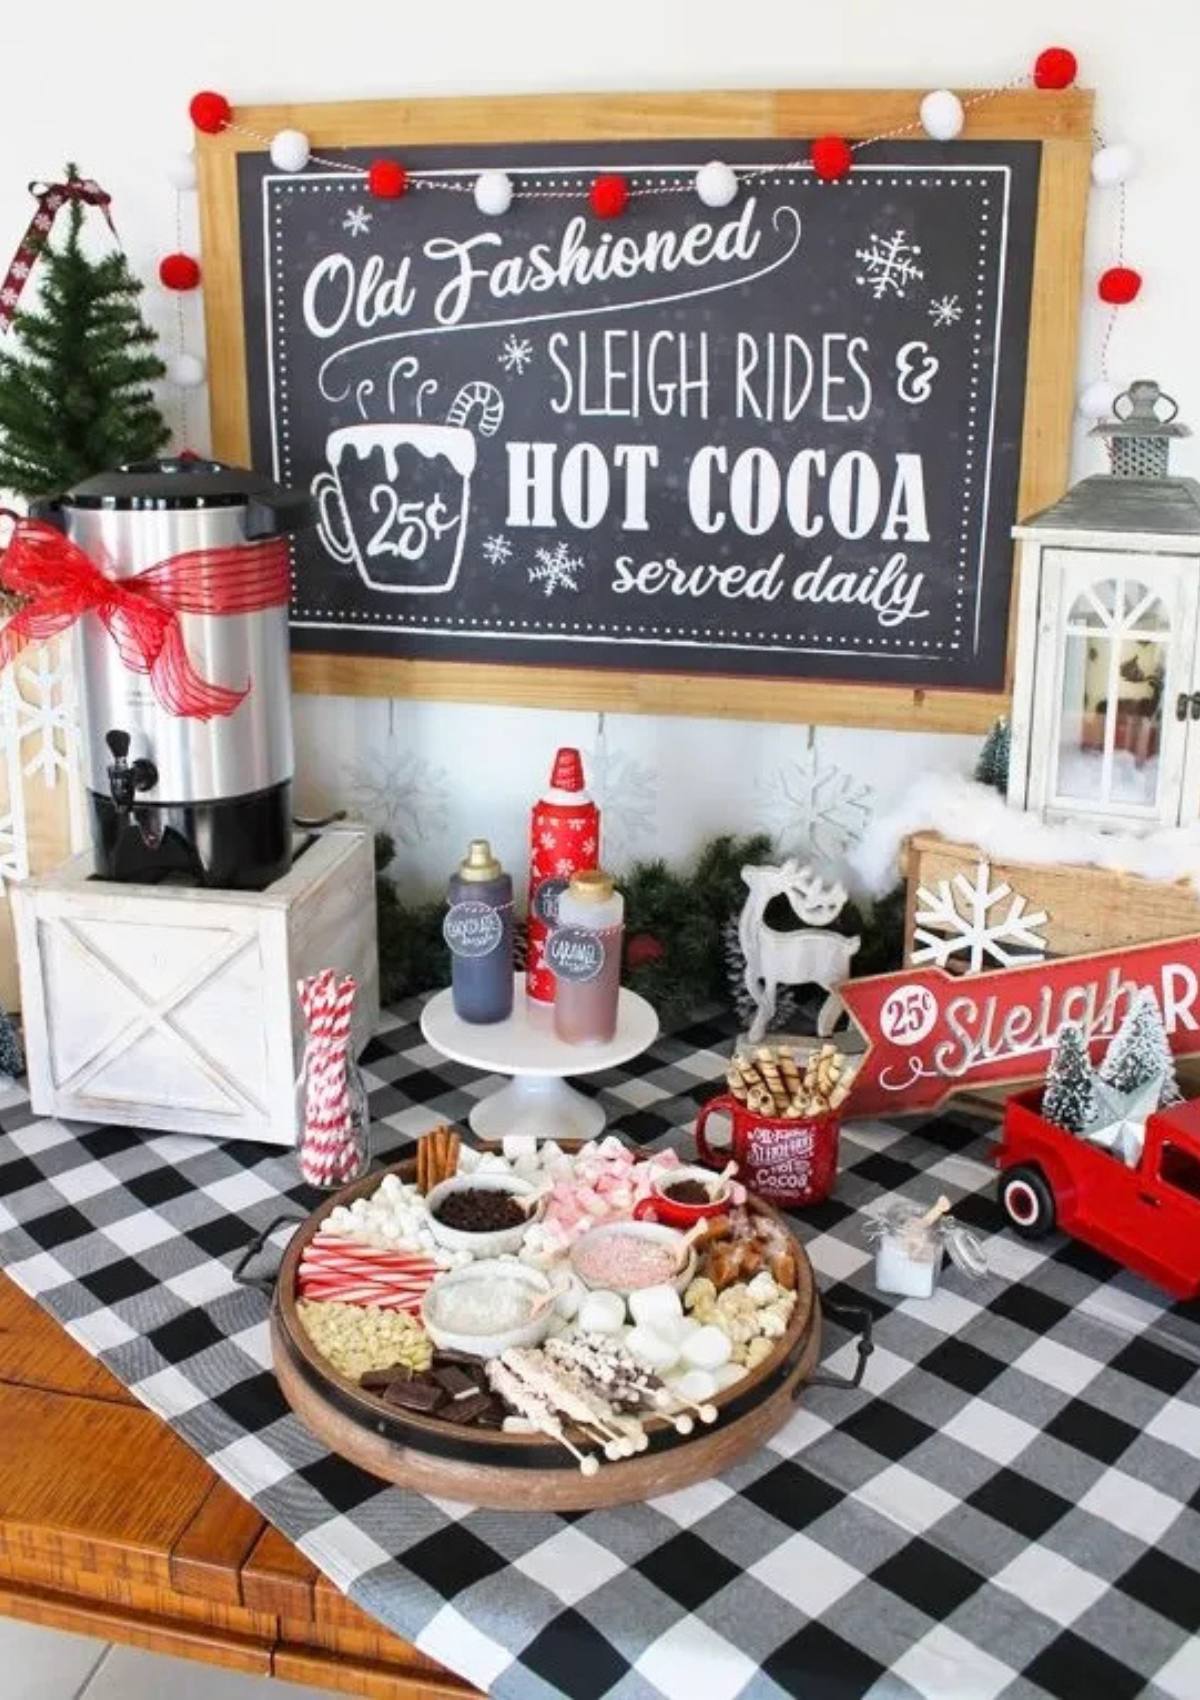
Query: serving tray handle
<point x="265" y="1283"/>
<point x="855" y="1319"/>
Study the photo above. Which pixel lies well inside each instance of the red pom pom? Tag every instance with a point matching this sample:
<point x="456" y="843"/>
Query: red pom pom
<point x="387" y="179"/>
<point x="1119" y="285"/>
<point x="1055" y="68"/>
<point x="209" y="111"/>
<point x="179" y="271"/>
<point x="831" y="157"/>
<point x="609" y="196"/>
<point x="643" y="949"/>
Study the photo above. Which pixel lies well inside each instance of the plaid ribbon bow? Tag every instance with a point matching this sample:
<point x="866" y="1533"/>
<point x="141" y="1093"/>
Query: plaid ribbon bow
<point x="50" y="197"/>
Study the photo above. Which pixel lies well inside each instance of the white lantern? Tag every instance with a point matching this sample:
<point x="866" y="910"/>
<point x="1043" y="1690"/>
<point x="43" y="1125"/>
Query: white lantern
<point x="1106" y="694"/>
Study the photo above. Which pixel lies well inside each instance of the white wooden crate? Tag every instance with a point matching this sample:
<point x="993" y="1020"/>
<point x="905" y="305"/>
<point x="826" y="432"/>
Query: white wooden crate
<point x="174" y="1008"/>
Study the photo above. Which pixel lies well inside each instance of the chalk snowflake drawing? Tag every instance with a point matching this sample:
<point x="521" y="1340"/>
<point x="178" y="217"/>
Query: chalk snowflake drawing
<point x="358" y="221"/>
<point x="497" y="550"/>
<point x="888" y="265"/>
<point x="627" y="791"/>
<point x="816" y="808"/>
<point x="401" y="794"/>
<point x="555" y="569"/>
<point x="516" y="354"/>
<point x="945" y="310"/>
<point x="956" y="921"/>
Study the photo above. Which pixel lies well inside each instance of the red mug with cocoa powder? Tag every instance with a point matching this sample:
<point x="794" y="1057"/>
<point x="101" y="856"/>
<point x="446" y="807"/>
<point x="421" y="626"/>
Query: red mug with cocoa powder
<point x="660" y="1206"/>
<point x="788" y="1161"/>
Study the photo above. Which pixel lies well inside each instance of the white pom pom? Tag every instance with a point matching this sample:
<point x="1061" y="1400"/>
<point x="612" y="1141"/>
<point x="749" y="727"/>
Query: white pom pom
<point x="181" y="171"/>
<point x="716" y="183"/>
<point x="289" y="150"/>
<point x="1112" y="165"/>
<point x="186" y="370"/>
<point x="493" y="193"/>
<point x="942" y="115"/>
<point x="1096" y="399"/>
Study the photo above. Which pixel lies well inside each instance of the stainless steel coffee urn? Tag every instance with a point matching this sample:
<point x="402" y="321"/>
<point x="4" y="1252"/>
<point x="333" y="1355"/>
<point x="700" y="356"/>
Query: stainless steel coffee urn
<point x="178" y="795"/>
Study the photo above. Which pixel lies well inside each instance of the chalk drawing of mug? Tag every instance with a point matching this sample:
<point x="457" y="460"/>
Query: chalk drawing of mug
<point x="396" y="498"/>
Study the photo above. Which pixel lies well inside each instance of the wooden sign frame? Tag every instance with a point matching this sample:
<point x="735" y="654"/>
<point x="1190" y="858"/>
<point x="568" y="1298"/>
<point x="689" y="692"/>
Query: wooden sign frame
<point x="1060" y="121"/>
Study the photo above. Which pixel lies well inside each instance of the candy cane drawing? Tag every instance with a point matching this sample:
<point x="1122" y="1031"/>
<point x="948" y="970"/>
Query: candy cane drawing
<point x="395" y="500"/>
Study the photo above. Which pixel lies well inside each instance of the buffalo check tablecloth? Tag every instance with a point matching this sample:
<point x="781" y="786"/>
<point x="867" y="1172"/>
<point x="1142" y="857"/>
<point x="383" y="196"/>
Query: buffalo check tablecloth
<point x="1009" y="1507"/>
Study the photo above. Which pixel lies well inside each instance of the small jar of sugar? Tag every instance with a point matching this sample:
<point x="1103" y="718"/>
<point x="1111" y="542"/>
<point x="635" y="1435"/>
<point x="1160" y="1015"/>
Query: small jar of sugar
<point x="909" y="1243"/>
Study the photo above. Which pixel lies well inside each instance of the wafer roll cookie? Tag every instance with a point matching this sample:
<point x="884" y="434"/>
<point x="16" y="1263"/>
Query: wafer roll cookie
<point x="772" y="1079"/>
<point x="789" y="1071"/>
<point x="735" y="1083"/>
<point x="749" y="1073"/>
<point x="838" y="1096"/>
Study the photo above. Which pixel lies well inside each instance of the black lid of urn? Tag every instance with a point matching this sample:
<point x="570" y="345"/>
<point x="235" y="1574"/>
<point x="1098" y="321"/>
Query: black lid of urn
<point x="186" y="481"/>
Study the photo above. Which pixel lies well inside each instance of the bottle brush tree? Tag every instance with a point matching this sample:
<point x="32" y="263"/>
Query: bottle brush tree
<point x="1069" y="1098"/>
<point x="1141" y="1051"/>
<point x="76" y="370"/>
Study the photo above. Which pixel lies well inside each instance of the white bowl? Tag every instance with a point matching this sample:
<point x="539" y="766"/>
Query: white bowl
<point x="487" y="1274"/>
<point x="496" y="1243"/>
<point x="637" y="1230"/>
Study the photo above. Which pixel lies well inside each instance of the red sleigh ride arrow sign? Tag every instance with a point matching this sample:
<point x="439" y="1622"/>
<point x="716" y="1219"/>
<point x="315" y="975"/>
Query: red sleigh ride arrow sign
<point x="931" y="1034"/>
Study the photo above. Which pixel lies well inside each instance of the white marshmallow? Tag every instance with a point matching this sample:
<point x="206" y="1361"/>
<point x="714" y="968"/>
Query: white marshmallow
<point x="697" y="1384"/>
<point x="650" y="1348"/>
<point x="601" y="1312"/>
<point x="708" y="1348"/>
<point x="656" y="1306"/>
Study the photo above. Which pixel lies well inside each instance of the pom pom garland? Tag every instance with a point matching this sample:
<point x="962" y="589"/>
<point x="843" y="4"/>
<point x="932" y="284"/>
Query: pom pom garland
<point x="609" y="195"/>
<point x="181" y="171"/>
<point x="387" y="179"/>
<point x="186" y="371"/>
<point x="1096" y="399"/>
<point x="1055" y="68"/>
<point x="179" y="271"/>
<point x="290" y="150"/>
<point x="831" y="157"/>
<point x="1112" y="165"/>
<point x="1119" y="285"/>
<point x="493" y="193"/>
<point x="716" y="183"/>
<point x="209" y="111"/>
<point x="942" y="115"/>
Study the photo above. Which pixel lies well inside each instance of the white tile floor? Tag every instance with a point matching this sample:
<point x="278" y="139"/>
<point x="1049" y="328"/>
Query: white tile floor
<point x="45" y="1664"/>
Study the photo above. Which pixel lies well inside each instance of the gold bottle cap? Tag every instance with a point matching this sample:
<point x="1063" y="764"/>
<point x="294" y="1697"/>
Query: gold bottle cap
<point x="480" y="863"/>
<point x="592" y="885"/>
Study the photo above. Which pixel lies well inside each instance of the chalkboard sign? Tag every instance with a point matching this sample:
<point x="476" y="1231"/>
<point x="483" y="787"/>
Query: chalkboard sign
<point x="779" y="440"/>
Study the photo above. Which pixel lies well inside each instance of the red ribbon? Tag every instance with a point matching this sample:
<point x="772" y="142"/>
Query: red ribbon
<point x="141" y="614"/>
<point x="50" y="197"/>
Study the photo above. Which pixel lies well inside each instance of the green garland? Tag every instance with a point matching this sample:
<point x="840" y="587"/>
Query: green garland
<point x="674" y="922"/>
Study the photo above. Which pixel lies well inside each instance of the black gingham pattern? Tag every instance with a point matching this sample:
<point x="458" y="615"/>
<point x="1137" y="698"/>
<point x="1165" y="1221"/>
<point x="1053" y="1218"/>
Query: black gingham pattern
<point x="1011" y="1507"/>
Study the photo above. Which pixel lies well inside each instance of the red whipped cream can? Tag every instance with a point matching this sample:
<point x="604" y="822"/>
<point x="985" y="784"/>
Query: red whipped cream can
<point x="564" y="839"/>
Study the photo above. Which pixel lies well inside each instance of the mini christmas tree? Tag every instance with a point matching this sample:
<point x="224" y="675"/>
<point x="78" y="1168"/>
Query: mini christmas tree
<point x="1140" y="1052"/>
<point x="74" y="395"/>
<point x="992" y="766"/>
<point x="1069" y="1098"/>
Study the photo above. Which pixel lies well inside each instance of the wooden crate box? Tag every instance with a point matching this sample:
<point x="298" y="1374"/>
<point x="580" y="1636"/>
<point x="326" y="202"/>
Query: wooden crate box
<point x="1087" y="909"/>
<point x="174" y="1008"/>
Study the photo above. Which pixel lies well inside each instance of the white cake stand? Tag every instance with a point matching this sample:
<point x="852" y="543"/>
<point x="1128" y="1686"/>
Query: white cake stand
<point x="537" y="1100"/>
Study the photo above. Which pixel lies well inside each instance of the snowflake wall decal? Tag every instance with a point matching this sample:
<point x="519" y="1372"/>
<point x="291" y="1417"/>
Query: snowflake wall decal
<point x="945" y="310"/>
<point x="497" y="550"/>
<point x="627" y="791"/>
<point x="888" y="264"/>
<point x="516" y="354"/>
<point x="358" y="221"/>
<point x="815" y="807"/>
<point x="556" y="569"/>
<point x="955" y="921"/>
<point x="402" y="794"/>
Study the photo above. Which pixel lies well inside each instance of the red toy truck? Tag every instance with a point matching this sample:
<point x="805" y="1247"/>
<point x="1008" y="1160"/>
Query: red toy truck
<point x="1147" y="1218"/>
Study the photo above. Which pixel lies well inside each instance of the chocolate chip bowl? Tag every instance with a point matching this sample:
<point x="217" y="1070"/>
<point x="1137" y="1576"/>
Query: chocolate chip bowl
<point x="483" y="1214"/>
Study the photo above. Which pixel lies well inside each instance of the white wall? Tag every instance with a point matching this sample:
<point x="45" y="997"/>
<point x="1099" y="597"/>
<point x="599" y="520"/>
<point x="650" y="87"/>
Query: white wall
<point x="109" y="85"/>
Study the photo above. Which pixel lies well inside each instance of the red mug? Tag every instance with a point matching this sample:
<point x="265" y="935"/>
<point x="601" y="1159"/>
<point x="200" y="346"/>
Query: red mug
<point x="657" y="1206"/>
<point x="789" y="1160"/>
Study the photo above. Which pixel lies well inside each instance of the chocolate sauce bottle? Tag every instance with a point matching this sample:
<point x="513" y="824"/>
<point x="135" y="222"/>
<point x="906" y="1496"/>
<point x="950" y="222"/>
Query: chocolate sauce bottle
<point x="479" y="931"/>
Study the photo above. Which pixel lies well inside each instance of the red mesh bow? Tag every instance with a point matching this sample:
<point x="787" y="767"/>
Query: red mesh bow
<point x="141" y="614"/>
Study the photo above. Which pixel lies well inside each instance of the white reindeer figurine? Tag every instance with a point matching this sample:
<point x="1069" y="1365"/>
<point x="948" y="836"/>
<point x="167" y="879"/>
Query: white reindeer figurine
<point x="775" y="959"/>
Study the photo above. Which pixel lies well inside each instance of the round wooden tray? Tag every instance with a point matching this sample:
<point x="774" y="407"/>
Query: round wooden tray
<point x="526" y="1472"/>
